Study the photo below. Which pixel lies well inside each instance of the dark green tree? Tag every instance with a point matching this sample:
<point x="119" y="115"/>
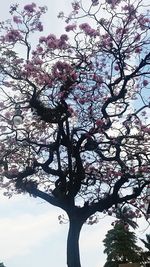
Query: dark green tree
<point x="2" y="265"/>
<point x="147" y="242"/>
<point x="120" y="246"/>
<point x="146" y="254"/>
<point x="125" y="215"/>
<point x="120" y="242"/>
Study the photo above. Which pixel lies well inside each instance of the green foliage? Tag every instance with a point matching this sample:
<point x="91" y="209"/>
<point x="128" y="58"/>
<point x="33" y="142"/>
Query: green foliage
<point x="125" y="216"/>
<point x="111" y="264"/>
<point x="2" y="265"/>
<point x="120" y="246"/>
<point x="145" y="256"/>
<point x="147" y="242"/>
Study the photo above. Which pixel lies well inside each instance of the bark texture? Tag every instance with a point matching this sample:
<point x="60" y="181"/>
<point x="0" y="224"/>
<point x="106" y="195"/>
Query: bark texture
<point x="73" y="254"/>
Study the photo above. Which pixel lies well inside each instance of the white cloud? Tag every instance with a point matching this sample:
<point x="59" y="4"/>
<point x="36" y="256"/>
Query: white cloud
<point x="91" y="244"/>
<point x="20" y="234"/>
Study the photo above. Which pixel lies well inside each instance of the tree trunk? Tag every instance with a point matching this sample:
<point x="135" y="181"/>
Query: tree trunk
<point x="73" y="254"/>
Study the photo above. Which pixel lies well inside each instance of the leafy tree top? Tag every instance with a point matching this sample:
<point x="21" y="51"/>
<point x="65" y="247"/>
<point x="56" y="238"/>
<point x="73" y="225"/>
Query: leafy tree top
<point x="146" y="254"/>
<point x="84" y="140"/>
<point x="147" y="242"/>
<point x="120" y="245"/>
<point x="125" y="216"/>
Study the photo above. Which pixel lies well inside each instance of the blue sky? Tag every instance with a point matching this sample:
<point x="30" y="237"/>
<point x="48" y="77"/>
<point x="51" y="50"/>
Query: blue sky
<point x="30" y="234"/>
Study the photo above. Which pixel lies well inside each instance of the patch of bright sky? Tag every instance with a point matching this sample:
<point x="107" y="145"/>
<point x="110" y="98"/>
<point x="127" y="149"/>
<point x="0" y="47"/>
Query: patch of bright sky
<point x="30" y="234"/>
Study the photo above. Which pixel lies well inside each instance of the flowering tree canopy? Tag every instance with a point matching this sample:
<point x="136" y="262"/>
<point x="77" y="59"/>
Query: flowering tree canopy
<point x="83" y="144"/>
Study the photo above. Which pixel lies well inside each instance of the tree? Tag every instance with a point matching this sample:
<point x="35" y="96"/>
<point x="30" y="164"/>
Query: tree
<point x="120" y="242"/>
<point x="146" y="254"/>
<point x="147" y="242"/>
<point x="83" y="144"/>
<point x="1" y="264"/>
<point x="120" y="246"/>
<point x="125" y="215"/>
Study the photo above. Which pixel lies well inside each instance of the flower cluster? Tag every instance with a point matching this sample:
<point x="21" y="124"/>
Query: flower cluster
<point x="39" y="26"/>
<point x="145" y="83"/>
<point x="144" y="22"/>
<point x="30" y="8"/>
<point x="96" y="76"/>
<point x="53" y="43"/>
<point x="95" y="2"/>
<point x="99" y="123"/>
<point x="106" y="41"/>
<point x="17" y="19"/>
<point x="70" y="27"/>
<point x="13" y="36"/>
<point x="61" y="70"/>
<point x="86" y="28"/>
<point x="76" y="6"/>
<point x="113" y="3"/>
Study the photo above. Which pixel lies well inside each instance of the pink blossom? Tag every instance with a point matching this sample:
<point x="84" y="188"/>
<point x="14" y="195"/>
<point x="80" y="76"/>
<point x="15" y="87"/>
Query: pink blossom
<point x="61" y="44"/>
<point x="42" y="39"/>
<point x="113" y="3"/>
<point x="37" y="61"/>
<point x="99" y="122"/>
<point x="17" y="61"/>
<point x="138" y="50"/>
<point x="52" y="41"/>
<point x="13" y="171"/>
<point x="121" y="31"/>
<point x="88" y="30"/>
<point x="146" y="130"/>
<point x="95" y="2"/>
<point x="39" y="49"/>
<point x="70" y="27"/>
<point x="3" y="128"/>
<point x="71" y="111"/>
<point x="64" y="37"/>
<point x="97" y="78"/>
<point x="130" y="8"/>
<point x="12" y="36"/>
<point x="61" y="70"/>
<point x="29" y="67"/>
<point x="82" y="101"/>
<point x="51" y="37"/>
<point x="132" y="201"/>
<point x="74" y="75"/>
<point x="30" y="8"/>
<point x="52" y="44"/>
<point x="137" y="37"/>
<point x="144" y="22"/>
<point x="1" y="104"/>
<point x="17" y="19"/>
<point x="84" y="26"/>
<point x="76" y="6"/>
<point x="47" y="79"/>
<point x="116" y="67"/>
<point x="145" y="82"/>
<point x="62" y="66"/>
<point x="106" y="41"/>
<point x="39" y="27"/>
<point x="8" y="115"/>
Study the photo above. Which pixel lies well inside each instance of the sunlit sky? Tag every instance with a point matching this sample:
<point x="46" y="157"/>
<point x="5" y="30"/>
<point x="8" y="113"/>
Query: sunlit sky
<point x="30" y="234"/>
